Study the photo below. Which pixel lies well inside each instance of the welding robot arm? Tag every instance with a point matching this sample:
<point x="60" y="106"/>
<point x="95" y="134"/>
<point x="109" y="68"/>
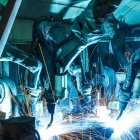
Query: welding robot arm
<point x="85" y="31"/>
<point x="16" y="55"/>
<point x="126" y="91"/>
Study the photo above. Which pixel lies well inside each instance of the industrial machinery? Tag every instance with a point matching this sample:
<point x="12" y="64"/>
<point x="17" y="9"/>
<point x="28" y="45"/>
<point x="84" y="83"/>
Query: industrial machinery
<point x="54" y="52"/>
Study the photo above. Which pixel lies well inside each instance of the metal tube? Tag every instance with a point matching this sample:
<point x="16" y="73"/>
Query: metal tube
<point x="126" y="39"/>
<point x="9" y="25"/>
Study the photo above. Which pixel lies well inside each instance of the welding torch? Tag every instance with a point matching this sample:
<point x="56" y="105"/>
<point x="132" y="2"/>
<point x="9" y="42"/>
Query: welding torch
<point x="51" y="108"/>
<point x="122" y="106"/>
<point x="124" y="98"/>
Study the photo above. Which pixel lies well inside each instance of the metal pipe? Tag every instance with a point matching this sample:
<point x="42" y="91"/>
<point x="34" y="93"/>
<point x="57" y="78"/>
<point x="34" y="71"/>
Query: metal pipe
<point x="126" y="39"/>
<point x="9" y="25"/>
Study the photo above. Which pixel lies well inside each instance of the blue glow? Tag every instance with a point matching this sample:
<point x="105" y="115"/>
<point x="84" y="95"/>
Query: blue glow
<point x="125" y="128"/>
<point x="127" y="125"/>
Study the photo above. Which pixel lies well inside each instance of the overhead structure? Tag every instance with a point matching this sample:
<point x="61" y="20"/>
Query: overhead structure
<point x="8" y="13"/>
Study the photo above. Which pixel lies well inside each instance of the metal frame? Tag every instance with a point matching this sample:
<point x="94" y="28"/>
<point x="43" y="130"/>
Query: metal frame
<point x="9" y="14"/>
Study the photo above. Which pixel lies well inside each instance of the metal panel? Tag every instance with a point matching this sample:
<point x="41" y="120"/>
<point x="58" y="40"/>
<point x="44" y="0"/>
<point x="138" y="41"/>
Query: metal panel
<point x="129" y="12"/>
